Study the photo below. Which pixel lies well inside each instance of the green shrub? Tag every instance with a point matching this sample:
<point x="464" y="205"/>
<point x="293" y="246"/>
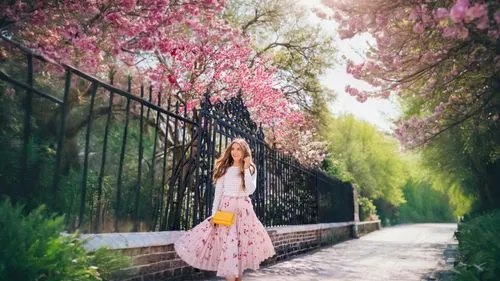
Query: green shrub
<point x="367" y="210"/>
<point x="479" y="248"/>
<point x="33" y="249"/>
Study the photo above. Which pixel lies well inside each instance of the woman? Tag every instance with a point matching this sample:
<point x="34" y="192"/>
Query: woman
<point x="229" y="250"/>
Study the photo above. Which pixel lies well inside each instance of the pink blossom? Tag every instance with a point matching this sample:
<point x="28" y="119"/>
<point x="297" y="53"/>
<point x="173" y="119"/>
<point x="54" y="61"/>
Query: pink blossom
<point x="495" y="34"/>
<point x="449" y="32"/>
<point x="418" y="28"/>
<point x="38" y="17"/>
<point x="127" y="4"/>
<point x="497" y="17"/>
<point x="482" y="23"/>
<point x="381" y="19"/>
<point x="361" y="98"/>
<point x="463" y="33"/>
<point x="414" y="14"/>
<point x="459" y="10"/>
<point x="3" y="54"/>
<point x="354" y="70"/>
<point x="351" y="91"/>
<point x="441" y="13"/>
<point x="385" y="94"/>
<point x="146" y="43"/>
<point x="20" y="5"/>
<point x="427" y="19"/>
<point x="475" y="12"/>
<point x="346" y="33"/>
<point x="383" y="40"/>
<point x="11" y="14"/>
<point x="113" y="18"/>
<point x="320" y="13"/>
<point x="397" y="62"/>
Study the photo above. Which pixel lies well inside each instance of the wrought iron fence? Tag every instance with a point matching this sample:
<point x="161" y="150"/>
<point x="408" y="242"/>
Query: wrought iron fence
<point x="126" y="160"/>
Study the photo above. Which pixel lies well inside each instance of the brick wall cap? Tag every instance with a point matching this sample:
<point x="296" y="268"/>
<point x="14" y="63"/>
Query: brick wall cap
<point x="367" y="222"/>
<point x="129" y="240"/>
<point x="308" y="227"/>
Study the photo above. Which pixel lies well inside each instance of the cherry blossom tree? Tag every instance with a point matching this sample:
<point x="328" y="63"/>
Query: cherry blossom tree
<point x="442" y="55"/>
<point x="182" y="47"/>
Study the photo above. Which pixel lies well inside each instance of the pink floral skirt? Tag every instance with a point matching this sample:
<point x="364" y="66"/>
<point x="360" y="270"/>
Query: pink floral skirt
<point x="229" y="250"/>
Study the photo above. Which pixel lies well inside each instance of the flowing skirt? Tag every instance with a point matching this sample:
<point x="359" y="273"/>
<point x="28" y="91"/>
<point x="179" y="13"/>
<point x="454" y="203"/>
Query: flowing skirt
<point x="227" y="250"/>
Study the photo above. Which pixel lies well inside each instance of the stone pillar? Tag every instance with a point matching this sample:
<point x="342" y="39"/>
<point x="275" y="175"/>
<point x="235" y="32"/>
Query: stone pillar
<point x="355" y="230"/>
<point x="355" y="203"/>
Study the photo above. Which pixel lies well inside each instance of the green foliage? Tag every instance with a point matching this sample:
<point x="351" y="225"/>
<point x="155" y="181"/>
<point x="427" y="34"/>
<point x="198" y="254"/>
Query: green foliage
<point x="424" y="204"/>
<point x="462" y="166"/>
<point x="387" y="212"/>
<point x="367" y="210"/>
<point x="479" y="248"/>
<point x="35" y="188"/>
<point x="365" y="156"/>
<point x="402" y="188"/>
<point x="33" y="249"/>
<point x="427" y="176"/>
<point x="336" y="168"/>
<point x="464" y="156"/>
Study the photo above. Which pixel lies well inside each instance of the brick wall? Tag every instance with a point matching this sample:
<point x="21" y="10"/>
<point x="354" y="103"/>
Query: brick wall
<point x="157" y="263"/>
<point x="292" y="243"/>
<point x="367" y="227"/>
<point x="335" y="235"/>
<point x="154" y="257"/>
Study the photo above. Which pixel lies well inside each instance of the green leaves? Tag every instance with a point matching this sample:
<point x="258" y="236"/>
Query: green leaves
<point x="367" y="210"/>
<point x="464" y="157"/>
<point x="365" y="156"/>
<point x="32" y="248"/>
<point x="425" y="204"/>
<point x="479" y="248"/>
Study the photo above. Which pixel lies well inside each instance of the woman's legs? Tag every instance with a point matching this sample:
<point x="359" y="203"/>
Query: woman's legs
<point x="231" y="278"/>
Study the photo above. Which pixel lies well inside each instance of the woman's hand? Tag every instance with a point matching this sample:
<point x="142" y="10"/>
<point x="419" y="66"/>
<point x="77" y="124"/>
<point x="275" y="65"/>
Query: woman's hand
<point x="247" y="162"/>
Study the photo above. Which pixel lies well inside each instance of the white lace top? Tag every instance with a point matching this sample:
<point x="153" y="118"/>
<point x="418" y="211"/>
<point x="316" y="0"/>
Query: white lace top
<point x="230" y="185"/>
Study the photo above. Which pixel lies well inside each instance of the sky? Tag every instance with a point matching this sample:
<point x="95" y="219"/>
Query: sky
<point x="378" y="112"/>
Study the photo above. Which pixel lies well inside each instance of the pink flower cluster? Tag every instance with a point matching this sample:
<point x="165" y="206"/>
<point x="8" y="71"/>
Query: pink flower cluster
<point x="301" y="144"/>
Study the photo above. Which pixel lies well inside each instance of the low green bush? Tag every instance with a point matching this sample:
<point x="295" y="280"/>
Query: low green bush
<point x="367" y="210"/>
<point x="479" y="248"/>
<point x="33" y="249"/>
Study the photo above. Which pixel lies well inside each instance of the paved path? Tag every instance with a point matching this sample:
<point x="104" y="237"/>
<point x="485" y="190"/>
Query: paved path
<point x="402" y="253"/>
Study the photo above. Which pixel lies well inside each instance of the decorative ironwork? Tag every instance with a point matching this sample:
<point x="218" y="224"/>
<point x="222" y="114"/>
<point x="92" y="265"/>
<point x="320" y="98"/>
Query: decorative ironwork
<point x="233" y="113"/>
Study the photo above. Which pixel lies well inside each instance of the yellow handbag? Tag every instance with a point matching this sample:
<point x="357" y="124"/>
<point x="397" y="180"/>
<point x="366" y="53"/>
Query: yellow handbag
<point x="224" y="218"/>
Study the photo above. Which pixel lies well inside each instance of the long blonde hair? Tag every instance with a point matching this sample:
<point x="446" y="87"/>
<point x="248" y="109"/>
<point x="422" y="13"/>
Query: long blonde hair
<point x="226" y="160"/>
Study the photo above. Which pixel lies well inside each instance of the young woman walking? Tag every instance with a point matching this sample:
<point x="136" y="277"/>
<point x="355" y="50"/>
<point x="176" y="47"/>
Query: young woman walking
<point x="229" y="250"/>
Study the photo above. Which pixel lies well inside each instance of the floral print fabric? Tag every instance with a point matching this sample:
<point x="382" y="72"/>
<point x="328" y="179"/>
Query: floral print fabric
<point x="227" y="250"/>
